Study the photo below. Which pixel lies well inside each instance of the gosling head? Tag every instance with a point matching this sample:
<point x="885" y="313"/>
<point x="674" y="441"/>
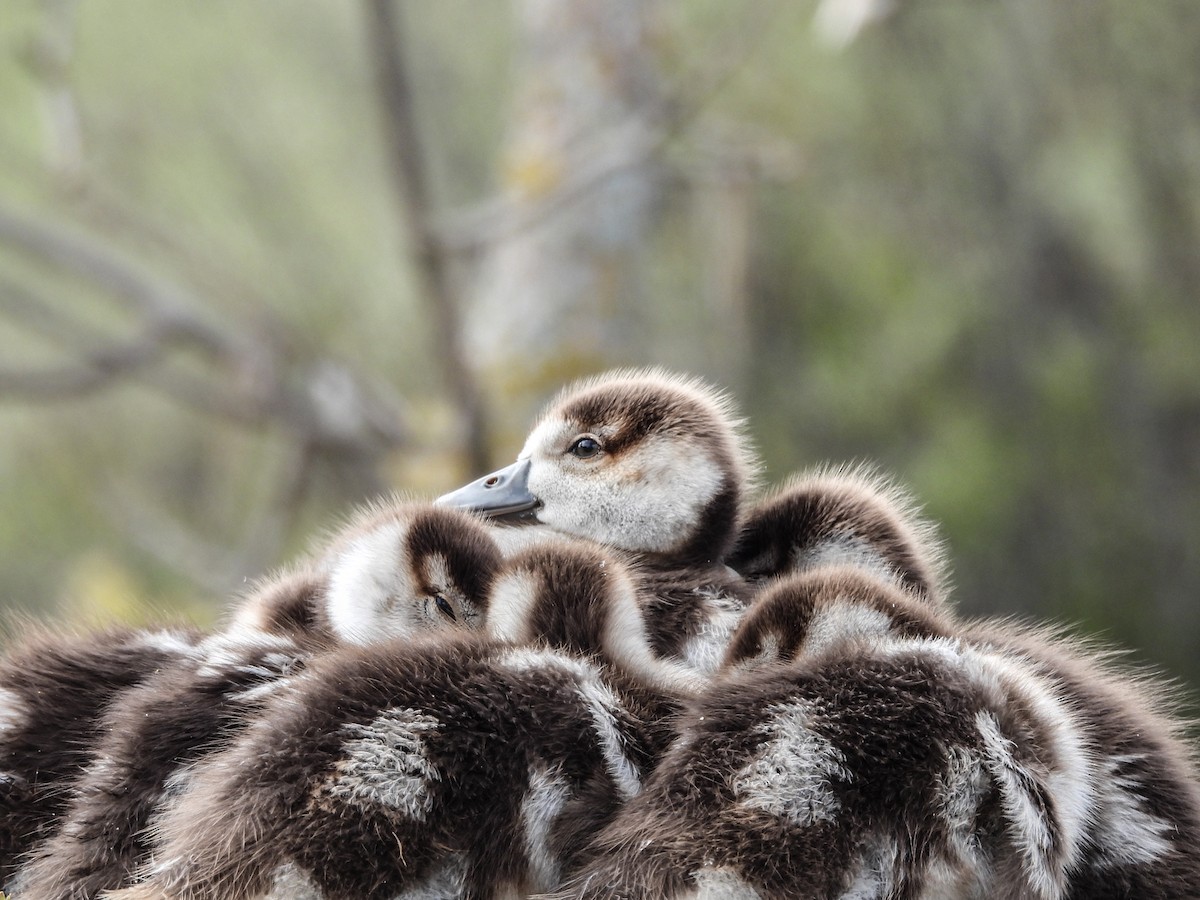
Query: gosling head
<point x="641" y="461"/>
<point x="287" y="603"/>
<point x="849" y="515"/>
<point x="400" y="569"/>
<point x="828" y="609"/>
<point x="580" y="600"/>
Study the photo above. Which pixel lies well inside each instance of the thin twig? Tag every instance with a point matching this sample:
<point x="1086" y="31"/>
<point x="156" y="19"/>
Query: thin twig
<point x="386" y="44"/>
<point x="262" y="387"/>
<point x="103" y="268"/>
<point x="103" y="361"/>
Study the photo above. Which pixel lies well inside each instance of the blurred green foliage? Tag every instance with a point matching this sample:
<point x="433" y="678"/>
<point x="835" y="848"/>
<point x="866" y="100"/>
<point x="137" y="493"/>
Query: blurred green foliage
<point x="976" y="265"/>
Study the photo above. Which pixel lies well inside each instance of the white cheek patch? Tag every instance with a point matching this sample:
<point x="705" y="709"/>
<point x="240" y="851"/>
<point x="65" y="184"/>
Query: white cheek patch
<point x="793" y="776"/>
<point x="367" y="577"/>
<point x="509" y="606"/>
<point x="387" y="764"/>
<point x="649" y="499"/>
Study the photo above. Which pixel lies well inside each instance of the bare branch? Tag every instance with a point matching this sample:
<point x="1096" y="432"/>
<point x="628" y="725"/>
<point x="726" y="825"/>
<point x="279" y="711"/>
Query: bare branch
<point x="97" y="372"/>
<point x="120" y="278"/>
<point x="385" y="43"/>
<point x="385" y="37"/>
<point x="103" y="361"/>
<point x="260" y="386"/>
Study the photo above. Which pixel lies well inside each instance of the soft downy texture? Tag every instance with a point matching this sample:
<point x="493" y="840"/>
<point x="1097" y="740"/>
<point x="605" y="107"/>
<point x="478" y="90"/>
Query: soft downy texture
<point x="554" y="725"/>
<point x="913" y="756"/>
<point x="146" y="741"/>
<point x="848" y="515"/>
<point x="54" y="686"/>
<point x="382" y="578"/>
<point x="402" y="567"/>
<point x="829" y="610"/>
<point x="670" y="476"/>
<point x="662" y="483"/>
<point x="642" y="722"/>
<point x="480" y="765"/>
<point x="584" y="600"/>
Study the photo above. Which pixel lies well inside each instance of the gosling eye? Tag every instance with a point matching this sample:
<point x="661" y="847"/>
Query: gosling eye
<point x="444" y="607"/>
<point x="585" y="447"/>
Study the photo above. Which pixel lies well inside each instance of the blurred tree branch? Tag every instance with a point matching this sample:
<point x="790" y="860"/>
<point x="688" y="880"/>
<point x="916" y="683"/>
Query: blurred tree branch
<point x="257" y="390"/>
<point x="386" y="42"/>
<point x="244" y="366"/>
<point x="100" y="365"/>
<point x="252" y="378"/>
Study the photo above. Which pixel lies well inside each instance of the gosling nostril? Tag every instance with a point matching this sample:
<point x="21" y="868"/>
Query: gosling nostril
<point x="491" y="482"/>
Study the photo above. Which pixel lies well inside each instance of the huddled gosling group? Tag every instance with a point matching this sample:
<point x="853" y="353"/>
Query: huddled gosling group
<point x="604" y="671"/>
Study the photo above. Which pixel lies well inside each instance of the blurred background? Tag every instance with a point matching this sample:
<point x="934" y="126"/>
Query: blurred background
<point x="260" y="261"/>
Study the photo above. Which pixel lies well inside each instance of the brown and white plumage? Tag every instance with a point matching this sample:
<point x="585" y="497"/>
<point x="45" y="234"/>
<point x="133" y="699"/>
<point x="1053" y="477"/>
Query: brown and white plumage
<point x="54" y="687"/>
<point x="380" y="772"/>
<point x="1142" y="835"/>
<point x="583" y="600"/>
<point x="642" y="461"/>
<point x="828" y="610"/>
<point x="628" y="724"/>
<point x="398" y="567"/>
<point x="653" y="466"/>
<point x="842" y="515"/>
<point x="414" y="569"/>
<point x="484" y="766"/>
<point x="894" y="752"/>
<point x="144" y="744"/>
